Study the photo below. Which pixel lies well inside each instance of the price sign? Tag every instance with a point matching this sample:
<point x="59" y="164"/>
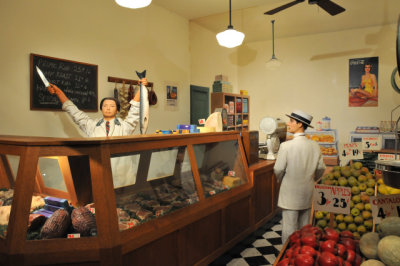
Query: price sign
<point x="371" y="143"/>
<point x="74" y="236"/>
<point x="332" y="198"/>
<point x="386" y="156"/>
<point x="383" y="206"/>
<point x="351" y="150"/>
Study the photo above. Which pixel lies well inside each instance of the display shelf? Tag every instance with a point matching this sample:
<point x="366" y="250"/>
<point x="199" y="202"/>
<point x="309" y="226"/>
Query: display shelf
<point x="237" y="106"/>
<point x="327" y="139"/>
<point x="182" y="193"/>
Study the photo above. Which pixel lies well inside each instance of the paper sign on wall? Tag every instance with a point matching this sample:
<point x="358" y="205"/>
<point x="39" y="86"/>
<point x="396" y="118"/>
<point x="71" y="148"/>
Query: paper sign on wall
<point x="383" y="206"/>
<point x="334" y="199"/>
<point x="349" y="151"/>
<point x="371" y="143"/>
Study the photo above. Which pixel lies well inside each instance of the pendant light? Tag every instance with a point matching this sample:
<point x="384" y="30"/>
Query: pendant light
<point x="230" y="38"/>
<point x="274" y="62"/>
<point x="133" y="3"/>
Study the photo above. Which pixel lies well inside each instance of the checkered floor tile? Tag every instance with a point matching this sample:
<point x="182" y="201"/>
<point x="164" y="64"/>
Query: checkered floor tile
<point x="259" y="248"/>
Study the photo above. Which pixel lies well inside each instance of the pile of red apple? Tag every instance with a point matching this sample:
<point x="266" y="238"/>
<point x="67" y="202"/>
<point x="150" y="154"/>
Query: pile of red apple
<point x="312" y="246"/>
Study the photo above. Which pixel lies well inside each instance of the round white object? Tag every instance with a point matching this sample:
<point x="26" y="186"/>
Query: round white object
<point x="268" y="125"/>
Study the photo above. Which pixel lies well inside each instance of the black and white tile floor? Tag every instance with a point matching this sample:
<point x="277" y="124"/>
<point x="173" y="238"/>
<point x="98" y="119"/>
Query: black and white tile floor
<point x="259" y="248"/>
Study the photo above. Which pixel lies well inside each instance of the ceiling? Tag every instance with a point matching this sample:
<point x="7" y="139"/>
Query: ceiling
<point x="301" y="19"/>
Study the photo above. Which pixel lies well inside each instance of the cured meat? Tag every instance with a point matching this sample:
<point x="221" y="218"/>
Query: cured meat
<point x="133" y="207"/>
<point x="35" y="221"/>
<point x="143" y="214"/>
<point x="56" y="225"/>
<point x="83" y="221"/>
<point x="161" y="210"/>
<point x="122" y="215"/>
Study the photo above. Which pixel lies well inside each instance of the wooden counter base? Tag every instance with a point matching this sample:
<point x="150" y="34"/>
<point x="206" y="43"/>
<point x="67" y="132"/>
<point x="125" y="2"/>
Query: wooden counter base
<point x="265" y="192"/>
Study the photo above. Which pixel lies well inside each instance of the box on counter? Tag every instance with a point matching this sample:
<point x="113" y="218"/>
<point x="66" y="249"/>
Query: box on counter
<point x="244" y="92"/>
<point x="221" y="78"/>
<point x="183" y="127"/>
<point x="222" y="86"/>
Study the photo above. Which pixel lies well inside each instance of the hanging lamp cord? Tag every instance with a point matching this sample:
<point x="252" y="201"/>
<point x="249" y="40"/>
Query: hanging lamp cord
<point x="273" y="39"/>
<point x="230" y="15"/>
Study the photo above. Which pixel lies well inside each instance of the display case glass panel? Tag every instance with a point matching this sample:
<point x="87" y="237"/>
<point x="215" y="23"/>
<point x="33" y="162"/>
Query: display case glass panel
<point x="51" y="173"/>
<point x="54" y="211"/>
<point x="220" y="166"/>
<point x="8" y="171"/>
<point x="155" y="183"/>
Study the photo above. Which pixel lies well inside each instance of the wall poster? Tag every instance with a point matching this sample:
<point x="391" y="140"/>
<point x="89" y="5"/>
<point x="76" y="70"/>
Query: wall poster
<point x="363" y="82"/>
<point x="172" y="95"/>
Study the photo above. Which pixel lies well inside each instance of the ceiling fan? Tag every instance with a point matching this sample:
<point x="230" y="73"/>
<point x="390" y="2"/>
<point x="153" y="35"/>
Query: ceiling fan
<point x="327" y="5"/>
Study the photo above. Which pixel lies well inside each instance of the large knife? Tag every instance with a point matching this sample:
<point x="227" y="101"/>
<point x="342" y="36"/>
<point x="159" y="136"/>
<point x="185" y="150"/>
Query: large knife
<point x="41" y="75"/>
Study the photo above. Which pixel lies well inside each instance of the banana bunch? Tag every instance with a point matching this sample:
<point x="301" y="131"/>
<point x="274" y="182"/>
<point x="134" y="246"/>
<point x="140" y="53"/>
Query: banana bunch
<point x="385" y="189"/>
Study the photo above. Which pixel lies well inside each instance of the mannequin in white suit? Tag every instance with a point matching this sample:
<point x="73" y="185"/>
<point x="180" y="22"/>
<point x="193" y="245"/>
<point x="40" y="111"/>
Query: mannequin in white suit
<point x="298" y="165"/>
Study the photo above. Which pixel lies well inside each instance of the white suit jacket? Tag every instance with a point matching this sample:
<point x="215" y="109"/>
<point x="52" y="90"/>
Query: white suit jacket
<point x="298" y="163"/>
<point x="123" y="168"/>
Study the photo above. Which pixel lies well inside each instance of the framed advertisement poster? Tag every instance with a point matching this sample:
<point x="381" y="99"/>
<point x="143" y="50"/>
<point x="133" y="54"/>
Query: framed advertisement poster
<point x="363" y="82"/>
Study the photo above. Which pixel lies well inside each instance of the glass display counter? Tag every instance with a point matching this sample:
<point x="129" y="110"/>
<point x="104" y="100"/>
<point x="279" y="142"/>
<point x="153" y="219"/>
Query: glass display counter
<point x="97" y="200"/>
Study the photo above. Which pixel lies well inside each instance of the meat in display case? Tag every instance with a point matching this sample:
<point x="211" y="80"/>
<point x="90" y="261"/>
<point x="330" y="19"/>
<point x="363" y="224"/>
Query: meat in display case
<point x="92" y="195"/>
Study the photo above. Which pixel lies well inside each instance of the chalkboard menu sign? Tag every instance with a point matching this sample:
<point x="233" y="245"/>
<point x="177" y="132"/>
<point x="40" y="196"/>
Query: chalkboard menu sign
<point x="77" y="80"/>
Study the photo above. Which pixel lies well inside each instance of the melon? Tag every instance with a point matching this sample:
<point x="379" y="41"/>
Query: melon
<point x="388" y="250"/>
<point x="369" y="245"/>
<point x="372" y="263"/>
<point x="389" y="226"/>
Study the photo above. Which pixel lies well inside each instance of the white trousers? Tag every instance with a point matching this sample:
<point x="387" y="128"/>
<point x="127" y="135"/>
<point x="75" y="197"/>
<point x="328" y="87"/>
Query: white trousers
<point x="293" y="220"/>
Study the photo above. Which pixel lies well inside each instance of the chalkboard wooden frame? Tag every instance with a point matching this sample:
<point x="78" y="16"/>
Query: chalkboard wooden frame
<point x="78" y="80"/>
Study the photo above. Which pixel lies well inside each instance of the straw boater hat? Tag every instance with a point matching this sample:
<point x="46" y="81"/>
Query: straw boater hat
<point x="302" y="117"/>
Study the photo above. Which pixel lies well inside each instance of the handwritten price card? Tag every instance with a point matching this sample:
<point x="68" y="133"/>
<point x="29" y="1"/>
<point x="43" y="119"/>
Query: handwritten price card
<point x="332" y="198"/>
<point x="349" y="151"/>
<point x="371" y="143"/>
<point x="383" y="206"/>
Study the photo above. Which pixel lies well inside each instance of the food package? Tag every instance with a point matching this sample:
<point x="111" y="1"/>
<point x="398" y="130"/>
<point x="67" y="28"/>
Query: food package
<point x="4" y="214"/>
<point x="231" y="181"/>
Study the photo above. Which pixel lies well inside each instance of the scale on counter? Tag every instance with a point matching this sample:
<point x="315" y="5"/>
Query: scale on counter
<point x="273" y="128"/>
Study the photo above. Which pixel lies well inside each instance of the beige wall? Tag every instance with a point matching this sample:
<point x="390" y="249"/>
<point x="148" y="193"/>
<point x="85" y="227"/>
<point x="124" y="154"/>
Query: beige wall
<point x="314" y="75"/>
<point x="117" y="39"/>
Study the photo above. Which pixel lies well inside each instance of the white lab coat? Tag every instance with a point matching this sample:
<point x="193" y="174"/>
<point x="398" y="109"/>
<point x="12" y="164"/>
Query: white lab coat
<point x="97" y="127"/>
<point x="123" y="168"/>
<point x="298" y="164"/>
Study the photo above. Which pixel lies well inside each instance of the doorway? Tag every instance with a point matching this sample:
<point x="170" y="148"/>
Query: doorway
<point x="199" y="103"/>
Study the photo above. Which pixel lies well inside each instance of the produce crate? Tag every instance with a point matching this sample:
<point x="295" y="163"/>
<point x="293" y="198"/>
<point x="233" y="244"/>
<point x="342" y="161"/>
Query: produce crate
<point x="331" y="217"/>
<point x="281" y="253"/>
<point x="331" y="160"/>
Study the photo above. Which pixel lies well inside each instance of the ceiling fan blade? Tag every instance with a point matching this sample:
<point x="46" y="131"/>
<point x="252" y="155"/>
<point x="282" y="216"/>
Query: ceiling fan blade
<point x="330" y="7"/>
<point x="276" y="10"/>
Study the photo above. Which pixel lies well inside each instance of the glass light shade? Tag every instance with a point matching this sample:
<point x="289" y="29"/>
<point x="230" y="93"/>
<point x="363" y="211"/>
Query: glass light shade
<point x="273" y="63"/>
<point x="230" y="38"/>
<point x="133" y="3"/>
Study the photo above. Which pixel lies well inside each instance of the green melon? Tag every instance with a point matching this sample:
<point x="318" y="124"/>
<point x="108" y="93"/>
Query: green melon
<point x="389" y="226"/>
<point x="388" y="250"/>
<point x="369" y="245"/>
<point x="372" y="263"/>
